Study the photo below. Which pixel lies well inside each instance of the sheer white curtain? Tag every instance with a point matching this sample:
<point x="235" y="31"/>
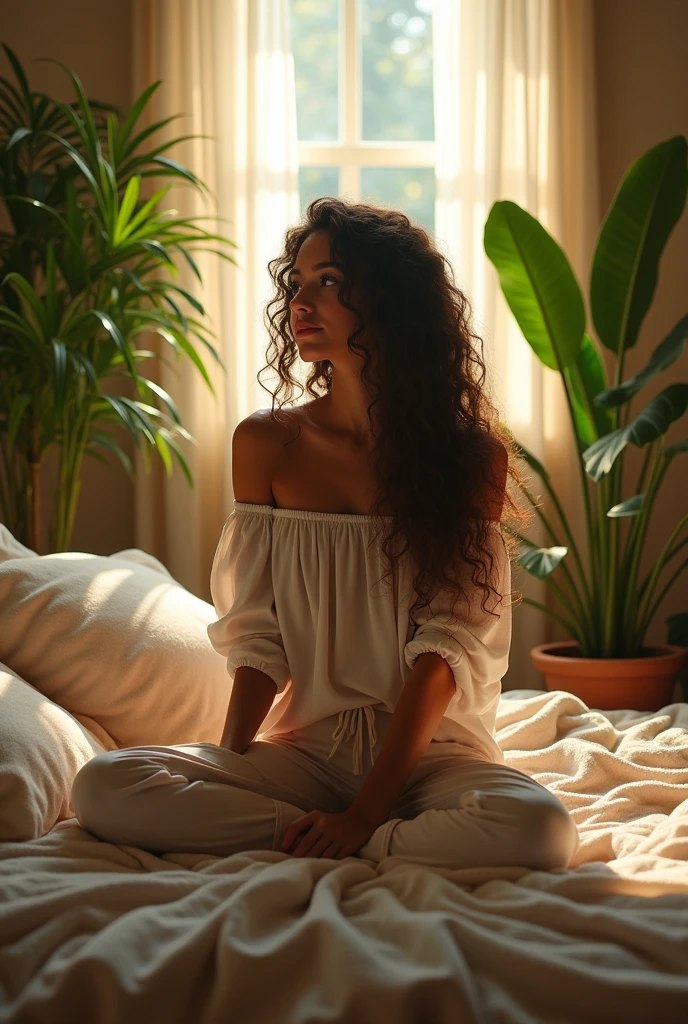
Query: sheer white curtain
<point x="515" y="119"/>
<point x="227" y="66"/>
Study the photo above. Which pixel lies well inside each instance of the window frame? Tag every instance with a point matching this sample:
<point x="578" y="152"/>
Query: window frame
<point x="351" y="153"/>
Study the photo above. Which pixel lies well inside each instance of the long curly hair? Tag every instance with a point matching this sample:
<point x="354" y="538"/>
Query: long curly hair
<point x="441" y="458"/>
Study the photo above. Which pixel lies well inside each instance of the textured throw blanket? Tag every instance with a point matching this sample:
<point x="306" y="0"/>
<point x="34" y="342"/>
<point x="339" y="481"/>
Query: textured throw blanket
<point x="94" y="932"/>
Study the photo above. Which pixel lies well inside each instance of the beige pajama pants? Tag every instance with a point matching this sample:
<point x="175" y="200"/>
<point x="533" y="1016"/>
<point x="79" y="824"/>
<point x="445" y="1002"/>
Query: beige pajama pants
<point x="455" y="811"/>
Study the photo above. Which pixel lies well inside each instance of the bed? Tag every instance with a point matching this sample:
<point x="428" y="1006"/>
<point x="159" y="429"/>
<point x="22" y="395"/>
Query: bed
<point x="96" y="932"/>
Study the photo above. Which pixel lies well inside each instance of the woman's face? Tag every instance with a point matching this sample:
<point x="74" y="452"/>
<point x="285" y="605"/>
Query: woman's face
<point x="314" y="299"/>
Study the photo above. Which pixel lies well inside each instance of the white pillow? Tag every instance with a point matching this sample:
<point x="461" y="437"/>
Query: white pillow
<point x="114" y="640"/>
<point x="42" y="747"/>
<point x="10" y="547"/>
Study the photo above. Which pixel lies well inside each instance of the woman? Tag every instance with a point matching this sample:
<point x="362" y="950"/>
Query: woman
<point x="397" y="463"/>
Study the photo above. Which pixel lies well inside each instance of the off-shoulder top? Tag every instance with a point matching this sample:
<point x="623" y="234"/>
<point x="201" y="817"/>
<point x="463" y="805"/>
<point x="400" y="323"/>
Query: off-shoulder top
<point x="297" y="596"/>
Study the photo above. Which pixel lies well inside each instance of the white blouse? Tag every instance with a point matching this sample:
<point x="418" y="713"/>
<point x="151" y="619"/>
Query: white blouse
<point x="292" y="591"/>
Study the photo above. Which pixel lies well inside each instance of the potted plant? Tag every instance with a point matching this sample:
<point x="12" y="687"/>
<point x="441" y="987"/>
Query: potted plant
<point x="605" y="609"/>
<point x="87" y="265"/>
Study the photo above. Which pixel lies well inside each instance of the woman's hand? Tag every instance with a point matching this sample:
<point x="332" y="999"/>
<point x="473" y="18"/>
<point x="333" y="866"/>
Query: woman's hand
<point x="328" y="835"/>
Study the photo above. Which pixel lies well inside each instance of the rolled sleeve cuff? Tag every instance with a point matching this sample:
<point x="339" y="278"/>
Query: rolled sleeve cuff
<point x="270" y="670"/>
<point x="435" y="641"/>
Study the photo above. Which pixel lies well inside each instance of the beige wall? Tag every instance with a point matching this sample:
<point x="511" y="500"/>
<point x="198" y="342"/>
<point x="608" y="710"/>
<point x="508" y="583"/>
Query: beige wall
<point x="640" y="68"/>
<point x="640" y="62"/>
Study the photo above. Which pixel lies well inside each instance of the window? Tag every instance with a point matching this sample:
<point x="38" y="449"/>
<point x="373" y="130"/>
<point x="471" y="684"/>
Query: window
<point x="364" y="102"/>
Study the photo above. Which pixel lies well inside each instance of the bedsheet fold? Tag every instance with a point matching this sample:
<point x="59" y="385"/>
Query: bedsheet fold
<point x="97" y="932"/>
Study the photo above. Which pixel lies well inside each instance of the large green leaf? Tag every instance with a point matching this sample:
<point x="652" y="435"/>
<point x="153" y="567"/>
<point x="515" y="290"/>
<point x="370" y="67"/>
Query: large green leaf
<point x="650" y="423"/>
<point x="82" y="165"/>
<point x="135" y="112"/>
<point x="49" y="210"/>
<point x="85" y="124"/>
<point x="139" y="218"/>
<point x="164" y="286"/>
<point x="138" y="414"/>
<point x="106" y="441"/>
<point x="586" y="379"/>
<point x="178" y="452"/>
<point x="538" y="284"/>
<point x="31" y="304"/>
<point x="666" y="353"/>
<point x="84" y="366"/>
<point x="164" y="450"/>
<point x="122" y="411"/>
<point x="114" y="332"/>
<point x="647" y="205"/>
<point x="180" y="316"/>
<point x="60" y="376"/>
<point x="17" y="135"/>
<point x="125" y="211"/>
<point x="629" y="507"/>
<point x="23" y="327"/>
<point x="541" y="562"/>
<point x="182" y="171"/>
<point x="163" y="396"/>
<point x="151" y="321"/>
<point x="137" y="161"/>
<point x="21" y="77"/>
<point x="158" y="250"/>
<point x="190" y="260"/>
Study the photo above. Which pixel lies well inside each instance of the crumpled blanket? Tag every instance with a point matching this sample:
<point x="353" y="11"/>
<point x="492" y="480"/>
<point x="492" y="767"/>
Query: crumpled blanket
<point x="96" y="932"/>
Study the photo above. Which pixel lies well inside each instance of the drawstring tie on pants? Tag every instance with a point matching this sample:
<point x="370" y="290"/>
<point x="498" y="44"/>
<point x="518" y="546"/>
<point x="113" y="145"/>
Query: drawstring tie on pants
<point x="351" y="722"/>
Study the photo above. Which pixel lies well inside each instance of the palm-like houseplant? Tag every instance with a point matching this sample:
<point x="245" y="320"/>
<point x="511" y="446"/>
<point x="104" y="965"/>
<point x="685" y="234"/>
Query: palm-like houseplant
<point x="88" y="265"/>
<point x="605" y="610"/>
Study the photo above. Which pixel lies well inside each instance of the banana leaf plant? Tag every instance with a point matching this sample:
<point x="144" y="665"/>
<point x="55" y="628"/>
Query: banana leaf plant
<point x="603" y="605"/>
<point x="88" y="265"/>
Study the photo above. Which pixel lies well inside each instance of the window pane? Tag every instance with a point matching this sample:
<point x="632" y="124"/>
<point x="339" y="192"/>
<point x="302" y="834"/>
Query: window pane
<point x="315" y="182"/>
<point x="410" y="189"/>
<point x="396" y="60"/>
<point x="315" y="44"/>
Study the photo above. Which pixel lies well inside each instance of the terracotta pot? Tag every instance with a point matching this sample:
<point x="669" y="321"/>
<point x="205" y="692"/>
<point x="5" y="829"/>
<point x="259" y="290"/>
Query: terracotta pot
<point x="640" y="684"/>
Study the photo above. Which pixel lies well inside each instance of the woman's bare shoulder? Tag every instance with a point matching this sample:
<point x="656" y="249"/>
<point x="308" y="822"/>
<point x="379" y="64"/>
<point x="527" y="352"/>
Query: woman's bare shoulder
<point x="280" y="423"/>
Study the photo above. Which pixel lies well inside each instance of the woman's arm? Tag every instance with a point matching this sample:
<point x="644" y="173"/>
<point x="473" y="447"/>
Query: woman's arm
<point x="253" y="459"/>
<point x="252" y="696"/>
<point x="423" y="701"/>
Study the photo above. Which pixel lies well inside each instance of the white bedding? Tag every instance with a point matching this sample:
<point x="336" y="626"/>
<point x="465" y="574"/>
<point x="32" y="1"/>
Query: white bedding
<point x="95" y="932"/>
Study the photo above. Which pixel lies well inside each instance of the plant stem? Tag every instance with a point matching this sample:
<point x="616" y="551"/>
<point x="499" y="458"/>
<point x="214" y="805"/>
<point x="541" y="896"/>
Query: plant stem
<point x="578" y="632"/>
<point x="35" y="469"/>
<point x="581" y="469"/>
<point x="564" y="568"/>
<point x="16" y="491"/>
<point x="608" y="532"/>
<point x="645" y="624"/>
<point x="76" y="438"/>
<point x="609" y="527"/>
<point x="631" y="590"/>
<point x="635" y="542"/>
<point x="57" y="539"/>
<point x="569" y="534"/>
<point x="659" y="565"/>
<point x="6" y="510"/>
<point x="625" y="563"/>
<point x="568" y="626"/>
<point x="671" y="554"/>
